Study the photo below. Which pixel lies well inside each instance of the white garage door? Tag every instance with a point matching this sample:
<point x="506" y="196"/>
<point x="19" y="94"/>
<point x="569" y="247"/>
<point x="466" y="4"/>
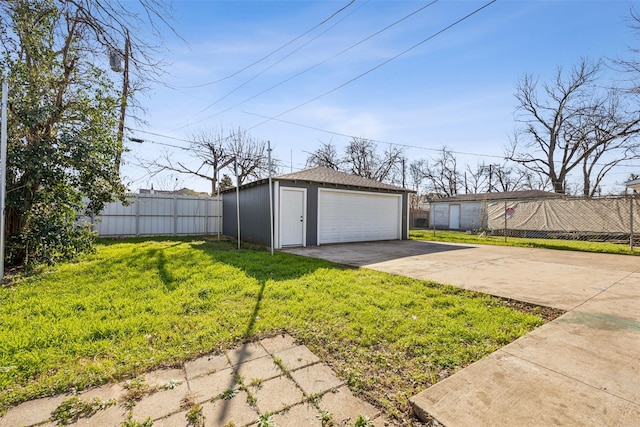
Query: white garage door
<point x="355" y="216"/>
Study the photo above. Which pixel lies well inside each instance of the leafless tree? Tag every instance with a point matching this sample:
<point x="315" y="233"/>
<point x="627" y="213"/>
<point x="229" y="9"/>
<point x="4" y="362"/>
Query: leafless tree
<point x="361" y="158"/>
<point x="440" y="175"/>
<point x="476" y="180"/>
<point x="215" y="150"/>
<point x="326" y="155"/>
<point x="251" y="155"/>
<point x="576" y="124"/>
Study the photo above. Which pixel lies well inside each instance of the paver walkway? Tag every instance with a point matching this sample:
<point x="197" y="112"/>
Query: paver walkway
<point x="276" y="375"/>
<point x="582" y="369"/>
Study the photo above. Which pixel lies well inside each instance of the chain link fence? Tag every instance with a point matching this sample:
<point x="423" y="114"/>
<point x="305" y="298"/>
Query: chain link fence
<point x="603" y="219"/>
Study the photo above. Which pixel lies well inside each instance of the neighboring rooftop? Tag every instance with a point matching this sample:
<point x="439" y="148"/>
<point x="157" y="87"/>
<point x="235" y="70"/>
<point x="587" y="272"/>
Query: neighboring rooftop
<point x="507" y="195"/>
<point x="323" y="174"/>
<point x="634" y="184"/>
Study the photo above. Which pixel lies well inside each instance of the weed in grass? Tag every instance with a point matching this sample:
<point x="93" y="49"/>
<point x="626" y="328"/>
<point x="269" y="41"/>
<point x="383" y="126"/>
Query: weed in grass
<point x="228" y="394"/>
<point x="558" y="244"/>
<point x="172" y="384"/>
<point x="121" y="311"/>
<point x="362" y="421"/>
<point x="238" y="379"/>
<point x="136" y="388"/>
<point x="251" y="399"/>
<point x="194" y="411"/>
<point x="194" y="416"/>
<point x="134" y="423"/>
<point x="266" y="420"/>
<point x="280" y="364"/>
<point x="325" y="419"/>
<point x="314" y="398"/>
<point x="230" y="424"/>
<point x="73" y="408"/>
<point x="256" y="382"/>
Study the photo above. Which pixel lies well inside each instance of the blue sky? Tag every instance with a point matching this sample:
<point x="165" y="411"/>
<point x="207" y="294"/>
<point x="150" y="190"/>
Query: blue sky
<point x="455" y="89"/>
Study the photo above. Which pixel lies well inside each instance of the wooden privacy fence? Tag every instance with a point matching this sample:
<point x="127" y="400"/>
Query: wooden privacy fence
<point x="160" y="215"/>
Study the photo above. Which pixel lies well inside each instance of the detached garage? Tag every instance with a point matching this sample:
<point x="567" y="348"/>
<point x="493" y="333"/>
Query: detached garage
<point x="317" y="206"/>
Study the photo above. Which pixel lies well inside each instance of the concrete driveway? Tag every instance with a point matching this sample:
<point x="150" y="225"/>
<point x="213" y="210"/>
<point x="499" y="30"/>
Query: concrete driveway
<point x="580" y="369"/>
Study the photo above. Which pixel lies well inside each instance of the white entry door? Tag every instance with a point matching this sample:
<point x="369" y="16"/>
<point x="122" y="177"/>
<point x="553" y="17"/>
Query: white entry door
<point x="454" y="216"/>
<point x="292" y="216"/>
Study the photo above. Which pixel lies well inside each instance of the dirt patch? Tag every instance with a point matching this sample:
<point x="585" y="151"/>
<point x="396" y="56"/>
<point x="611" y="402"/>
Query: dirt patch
<point x="546" y="313"/>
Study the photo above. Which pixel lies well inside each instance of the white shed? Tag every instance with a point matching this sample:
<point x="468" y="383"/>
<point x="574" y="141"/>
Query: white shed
<point x="469" y="211"/>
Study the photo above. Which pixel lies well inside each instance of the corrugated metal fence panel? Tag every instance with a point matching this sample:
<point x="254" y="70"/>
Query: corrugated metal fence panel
<point x="160" y="215"/>
<point x="472" y="215"/>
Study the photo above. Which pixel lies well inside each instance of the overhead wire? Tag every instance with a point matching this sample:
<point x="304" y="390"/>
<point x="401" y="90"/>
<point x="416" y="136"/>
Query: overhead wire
<point x="281" y="59"/>
<point x="306" y="70"/>
<point x="372" y="140"/>
<point x="324" y="21"/>
<point x="370" y="70"/>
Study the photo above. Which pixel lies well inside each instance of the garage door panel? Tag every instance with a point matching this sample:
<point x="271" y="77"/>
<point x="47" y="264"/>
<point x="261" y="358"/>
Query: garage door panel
<point x="349" y="216"/>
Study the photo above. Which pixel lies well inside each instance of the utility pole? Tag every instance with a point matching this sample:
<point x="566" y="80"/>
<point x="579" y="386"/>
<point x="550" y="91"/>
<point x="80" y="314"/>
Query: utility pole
<point x="270" y="198"/>
<point x="125" y="96"/>
<point x="404" y="171"/>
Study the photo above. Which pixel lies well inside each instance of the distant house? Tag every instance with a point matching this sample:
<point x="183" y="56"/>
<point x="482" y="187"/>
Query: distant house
<point x="317" y="206"/>
<point x="180" y="192"/>
<point x="469" y="211"/>
<point x="634" y="185"/>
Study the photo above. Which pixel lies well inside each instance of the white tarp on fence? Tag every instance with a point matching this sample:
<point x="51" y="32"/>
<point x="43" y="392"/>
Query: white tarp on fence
<point x="606" y="215"/>
<point x="160" y="215"/>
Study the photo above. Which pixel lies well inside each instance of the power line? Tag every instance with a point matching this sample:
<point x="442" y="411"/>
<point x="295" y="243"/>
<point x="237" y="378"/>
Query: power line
<point x="272" y="52"/>
<point x="306" y="70"/>
<point x="379" y="65"/>
<point x="280" y="60"/>
<point x="373" y="140"/>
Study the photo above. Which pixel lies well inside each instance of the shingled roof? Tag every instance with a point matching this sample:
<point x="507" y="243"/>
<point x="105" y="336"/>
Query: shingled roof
<point x="507" y="195"/>
<point x="326" y="175"/>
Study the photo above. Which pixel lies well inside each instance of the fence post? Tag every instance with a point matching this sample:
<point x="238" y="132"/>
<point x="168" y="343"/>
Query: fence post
<point x="206" y="217"/>
<point x="175" y="215"/>
<point x="631" y="222"/>
<point x="505" y="220"/>
<point x="137" y="202"/>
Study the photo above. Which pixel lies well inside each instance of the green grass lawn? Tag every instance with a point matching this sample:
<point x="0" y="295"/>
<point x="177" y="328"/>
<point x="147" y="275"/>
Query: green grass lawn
<point x="567" y="245"/>
<point x="140" y="304"/>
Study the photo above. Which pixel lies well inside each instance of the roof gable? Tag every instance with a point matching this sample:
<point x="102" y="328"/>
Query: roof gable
<point x="321" y="174"/>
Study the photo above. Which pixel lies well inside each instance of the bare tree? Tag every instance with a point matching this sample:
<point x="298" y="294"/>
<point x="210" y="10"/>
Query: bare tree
<point x="361" y="158"/>
<point x="476" y="180"/>
<point x="251" y="155"/>
<point x="214" y="150"/>
<point x="326" y="155"/>
<point x="441" y="175"/>
<point x="577" y="124"/>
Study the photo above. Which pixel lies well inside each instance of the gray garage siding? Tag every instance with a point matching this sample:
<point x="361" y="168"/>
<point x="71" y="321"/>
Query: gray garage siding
<point x="254" y="215"/>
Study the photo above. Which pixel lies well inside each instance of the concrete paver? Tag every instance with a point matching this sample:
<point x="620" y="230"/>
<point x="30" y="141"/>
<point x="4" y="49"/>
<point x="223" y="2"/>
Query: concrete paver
<point x="262" y="368"/>
<point x="32" y="412"/>
<point x="278" y="343"/>
<point x="344" y="407"/>
<point x="224" y="411"/>
<point x="277" y="394"/>
<point x="201" y="381"/>
<point x="206" y="365"/>
<point x="207" y="386"/>
<point x="316" y="379"/>
<point x="296" y="357"/>
<point x="161" y="403"/>
<point x="303" y="414"/>
<point x="580" y="369"/>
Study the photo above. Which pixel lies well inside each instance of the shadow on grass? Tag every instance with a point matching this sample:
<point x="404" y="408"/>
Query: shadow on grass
<point x="257" y="262"/>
